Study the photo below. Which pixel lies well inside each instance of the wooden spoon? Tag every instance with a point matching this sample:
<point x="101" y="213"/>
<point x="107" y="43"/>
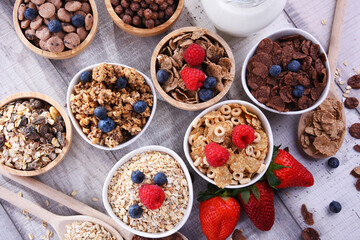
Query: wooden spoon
<point x="57" y="222"/>
<point x="332" y="56"/>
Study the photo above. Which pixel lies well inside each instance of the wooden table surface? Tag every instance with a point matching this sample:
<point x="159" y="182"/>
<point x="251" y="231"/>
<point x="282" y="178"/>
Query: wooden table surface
<point x="85" y="167"/>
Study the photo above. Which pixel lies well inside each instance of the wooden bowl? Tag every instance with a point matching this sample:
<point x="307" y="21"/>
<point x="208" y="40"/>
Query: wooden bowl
<point x="60" y="157"/>
<point x="170" y="99"/>
<point x="144" y="32"/>
<point x="65" y="54"/>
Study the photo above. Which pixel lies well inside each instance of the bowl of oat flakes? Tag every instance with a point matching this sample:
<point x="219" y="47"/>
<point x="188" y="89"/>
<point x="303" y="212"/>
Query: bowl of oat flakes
<point x="187" y="52"/>
<point x="149" y="192"/>
<point x="35" y="134"/>
<point x="243" y="135"/>
<point x="111" y="105"/>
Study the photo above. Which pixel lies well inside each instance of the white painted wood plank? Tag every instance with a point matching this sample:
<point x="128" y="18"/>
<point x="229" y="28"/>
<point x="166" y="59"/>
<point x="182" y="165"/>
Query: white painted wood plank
<point x="6" y="223"/>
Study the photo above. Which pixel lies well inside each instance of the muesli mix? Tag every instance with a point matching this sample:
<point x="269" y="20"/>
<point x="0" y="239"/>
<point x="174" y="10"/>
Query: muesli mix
<point x="149" y="192"/>
<point x="86" y="231"/>
<point x="32" y="134"/>
<point x="112" y="104"/>
<point x="241" y="137"/>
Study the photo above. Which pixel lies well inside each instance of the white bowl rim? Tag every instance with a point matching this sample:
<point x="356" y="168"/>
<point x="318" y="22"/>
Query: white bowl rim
<point x="279" y="33"/>
<point x="126" y="158"/>
<point x="75" y="123"/>
<point x="265" y="124"/>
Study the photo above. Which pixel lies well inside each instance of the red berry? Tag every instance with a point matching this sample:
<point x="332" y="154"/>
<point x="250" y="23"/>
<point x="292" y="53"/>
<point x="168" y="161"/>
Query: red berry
<point x="151" y="196"/>
<point x="193" y="78"/>
<point x="243" y="135"/>
<point x="194" y="55"/>
<point x="216" y="155"/>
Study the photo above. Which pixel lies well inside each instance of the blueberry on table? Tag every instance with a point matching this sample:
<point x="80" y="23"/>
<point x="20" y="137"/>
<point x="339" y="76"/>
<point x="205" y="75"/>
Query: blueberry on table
<point x="121" y="82"/>
<point x="333" y="162"/>
<point x="160" y="179"/>
<point x="78" y="20"/>
<point x="30" y="13"/>
<point x="275" y="70"/>
<point x="135" y="211"/>
<point x="335" y="207"/>
<point x="106" y="125"/>
<point x="100" y="112"/>
<point x="205" y="94"/>
<point x="137" y="176"/>
<point x="294" y="66"/>
<point x="162" y="76"/>
<point x="54" y="26"/>
<point x="298" y="91"/>
<point x="85" y="77"/>
<point x="140" y="106"/>
<point x="210" y="82"/>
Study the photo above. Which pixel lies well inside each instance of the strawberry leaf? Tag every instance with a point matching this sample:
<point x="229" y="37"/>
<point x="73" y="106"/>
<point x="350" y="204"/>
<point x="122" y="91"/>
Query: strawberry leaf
<point x="272" y="179"/>
<point x="255" y="191"/>
<point x="245" y="195"/>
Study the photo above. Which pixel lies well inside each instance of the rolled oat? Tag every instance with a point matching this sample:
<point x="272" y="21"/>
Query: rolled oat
<point x="86" y="231"/>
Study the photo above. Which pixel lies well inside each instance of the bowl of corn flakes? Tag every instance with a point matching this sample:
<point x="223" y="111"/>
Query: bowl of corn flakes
<point x="245" y="163"/>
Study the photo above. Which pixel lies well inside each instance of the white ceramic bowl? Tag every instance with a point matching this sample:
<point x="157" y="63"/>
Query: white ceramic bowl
<point x="274" y="36"/>
<point x="265" y="123"/>
<point x="76" y="124"/>
<point x="126" y="158"/>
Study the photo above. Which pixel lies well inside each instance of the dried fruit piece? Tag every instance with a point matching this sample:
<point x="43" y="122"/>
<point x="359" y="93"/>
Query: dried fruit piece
<point x="351" y="102"/>
<point x="308" y="216"/>
<point x="310" y="234"/>
<point x="354" y="81"/>
<point x="354" y="130"/>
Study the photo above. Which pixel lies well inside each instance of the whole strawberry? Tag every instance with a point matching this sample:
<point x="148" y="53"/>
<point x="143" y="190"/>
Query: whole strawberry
<point x="216" y="155"/>
<point x="152" y="196"/>
<point x="193" y="78"/>
<point x="258" y="204"/>
<point x="194" y="54"/>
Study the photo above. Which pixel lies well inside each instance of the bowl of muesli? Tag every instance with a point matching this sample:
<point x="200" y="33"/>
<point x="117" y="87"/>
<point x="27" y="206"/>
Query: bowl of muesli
<point x="192" y="68"/>
<point x="149" y="192"/>
<point x="35" y="134"/>
<point x="110" y="104"/>
<point x="229" y="144"/>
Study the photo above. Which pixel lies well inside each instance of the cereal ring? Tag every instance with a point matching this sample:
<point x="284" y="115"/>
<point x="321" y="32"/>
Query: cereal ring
<point x="225" y="109"/>
<point x="227" y="117"/>
<point x="236" y="112"/>
<point x="197" y="123"/>
<point x="234" y="182"/>
<point x="235" y="121"/>
<point x="261" y="169"/>
<point x="219" y="131"/>
<point x="202" y="170"/>
<point x="228" y="121"/>
<point x="238" y="176"/>
<point x="209" y="122"/>
<point x="205" y="162"/>
<point x="257" y="137"/>
<point x="197" y="162"/>
<point x="249" y="150"/>
<point x="256" y="154"/>
<point x="245" y="180"/>
<point x="210" y="174"/>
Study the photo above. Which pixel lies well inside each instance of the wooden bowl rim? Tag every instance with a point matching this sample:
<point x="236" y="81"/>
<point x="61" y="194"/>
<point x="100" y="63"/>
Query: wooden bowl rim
<point x="64" y="151"/>
<point x="188" y="106"/>
<point x="62" y="55"/>
<point x="144" y="32"/>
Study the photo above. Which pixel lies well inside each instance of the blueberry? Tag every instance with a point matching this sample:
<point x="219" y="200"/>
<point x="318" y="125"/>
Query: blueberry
<point x="160" y="178"/>
<point x="121" y="82"/>
<point x="85" y="77"/>
<point x="137" y="176"/>
<point x="54" y="26"/>
<point x="275" y="70"/>
<point x="78" y="20"/>
<point x="335" y="207"/>
<point x="294" y="66"/>
<point x="162" y="76"/>
<point x="135" y="211"/>
<point x="106" y="125"/>
<point x="298" y="91"/>
<point x="333" y="162"/>
<point x="100" y="112"/>
<point x="30" y="13"/>
<point x="210" y="82"/>
<point x="140" y="106"/>
<point x="205" y="94"/>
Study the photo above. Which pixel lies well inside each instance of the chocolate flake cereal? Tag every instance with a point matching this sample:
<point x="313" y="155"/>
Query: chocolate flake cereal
<point x="310" y="234"/>
<point x="308" y="216"/>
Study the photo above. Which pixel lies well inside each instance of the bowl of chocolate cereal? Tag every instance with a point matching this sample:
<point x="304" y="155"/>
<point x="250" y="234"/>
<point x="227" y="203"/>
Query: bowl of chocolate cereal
<point x="110" y="104"/>
<point x="287" y="72"/>
<point x="229" y="144"/>
<point x="35" y="134"/>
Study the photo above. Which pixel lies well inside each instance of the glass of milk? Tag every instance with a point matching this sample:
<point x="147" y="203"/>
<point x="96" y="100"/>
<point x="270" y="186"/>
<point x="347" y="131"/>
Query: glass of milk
<point x="242" y="18"/>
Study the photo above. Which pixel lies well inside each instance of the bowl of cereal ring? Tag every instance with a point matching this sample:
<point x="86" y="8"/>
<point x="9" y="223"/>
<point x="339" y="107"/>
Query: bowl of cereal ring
<point x="110" y="104"/>
<point x="35" y="134"/>
<point x="149" y="192"/>
<point x="229" y="144"/>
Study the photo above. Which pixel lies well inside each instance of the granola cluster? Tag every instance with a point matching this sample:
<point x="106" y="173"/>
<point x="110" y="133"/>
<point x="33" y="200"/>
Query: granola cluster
<point x="216" y="126"/>
<point x="123" y="192"/>
<point x="86" y="230"/>
<point x="32" y="134"/>
<point x="102" y="91"/>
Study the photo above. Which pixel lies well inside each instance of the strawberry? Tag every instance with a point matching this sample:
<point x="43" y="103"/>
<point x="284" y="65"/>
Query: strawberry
<point x="285" y="171"/>
<point x="258" y="204"/>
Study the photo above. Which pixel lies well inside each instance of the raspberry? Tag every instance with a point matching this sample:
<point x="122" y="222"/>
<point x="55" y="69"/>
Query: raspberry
<point x="193" y="78"/>
<point x="216" y="155"/>
<point x="243" y="135"/>
<point x="151" y="196"/>
<point x="194" y="55"/>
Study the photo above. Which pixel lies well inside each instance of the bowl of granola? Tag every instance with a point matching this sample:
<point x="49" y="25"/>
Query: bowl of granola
<point x="149" y="192"/>
<point x="238" y="131"/>
<point x="35" y="134"/>
<point x="287" y="72"/>
<point x="111" y="105"/>
<point x="192" y="68"/>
